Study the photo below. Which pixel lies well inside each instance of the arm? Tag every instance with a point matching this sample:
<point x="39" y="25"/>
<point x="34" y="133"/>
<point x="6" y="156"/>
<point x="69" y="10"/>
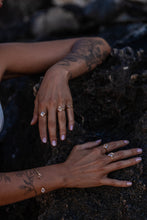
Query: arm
<point x="21" y="185"/>
<point x="86" y="166"/>
<point x="31" y="58"/>
<point x="85" y="55"/>
<point x="62" y="60"/>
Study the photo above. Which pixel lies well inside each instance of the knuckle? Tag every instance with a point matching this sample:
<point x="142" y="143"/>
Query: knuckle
<point x="120" y="154"/>
<point x="119" y="164"/>
<point x="76" y="147"/>
<point x="51" y="123"/>
<point x="52" y="102"/>
<point x="61" y="100"/>
<point x="62" y="119"/>
<point x="71" y="122"/>
<point x="97" y="152"/>
<point x="42" y="103"/>
<point x="62" y="131"/>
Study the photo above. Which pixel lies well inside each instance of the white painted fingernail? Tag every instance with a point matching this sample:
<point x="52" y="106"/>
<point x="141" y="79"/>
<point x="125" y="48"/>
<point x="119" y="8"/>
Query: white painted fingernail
<point x="71" y="127"/>
<point x="129" y="183"/>
<point x="54" y="143"/>
<point x="126" y="141"/>
<point x="139" y="150"/>
<point x="138" y="159"/>
<point x="62" y="137"/>
<point x="98" y="141"/>
<point x="44" y="140"/>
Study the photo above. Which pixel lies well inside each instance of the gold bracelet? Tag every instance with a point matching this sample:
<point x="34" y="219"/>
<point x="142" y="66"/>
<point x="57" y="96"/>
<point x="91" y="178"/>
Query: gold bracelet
<point x="38" y="173"/>
<point x="39" y="177"/>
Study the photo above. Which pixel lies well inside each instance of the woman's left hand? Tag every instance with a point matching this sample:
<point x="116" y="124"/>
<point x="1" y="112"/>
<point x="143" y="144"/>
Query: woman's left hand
<point x="53" y="101"/>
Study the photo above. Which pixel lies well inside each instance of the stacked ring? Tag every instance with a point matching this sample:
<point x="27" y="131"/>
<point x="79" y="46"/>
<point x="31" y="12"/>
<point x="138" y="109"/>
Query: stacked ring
<point x="111" y="155"/>
<point x="105" y="146"/>
<point x="61" y="108"/>
<point x="69" y="106"/>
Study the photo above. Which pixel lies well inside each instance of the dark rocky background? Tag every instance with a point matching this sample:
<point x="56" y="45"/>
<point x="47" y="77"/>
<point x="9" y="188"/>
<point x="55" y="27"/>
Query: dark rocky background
<point x="109" y="103"/>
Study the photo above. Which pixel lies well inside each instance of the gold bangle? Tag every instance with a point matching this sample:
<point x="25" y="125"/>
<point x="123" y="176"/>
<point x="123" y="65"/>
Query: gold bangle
<point x="38" y="173"/>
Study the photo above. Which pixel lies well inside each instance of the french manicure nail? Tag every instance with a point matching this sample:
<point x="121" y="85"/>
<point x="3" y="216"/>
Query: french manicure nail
<point x="139" y="150"/>
<point x="54" y="143"/>
<point x="71" y="127"/>
<point x="44" y="140"/>
<point x="62" y="137"/>
<point x="126" y="141"/>
<point x="129" y="183"/>
<point x="138" y="159"/>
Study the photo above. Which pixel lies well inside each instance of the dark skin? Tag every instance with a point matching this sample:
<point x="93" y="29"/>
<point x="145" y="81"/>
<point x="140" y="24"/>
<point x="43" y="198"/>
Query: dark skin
<point x="88" y="164"/>
<point x="61" y="61"/>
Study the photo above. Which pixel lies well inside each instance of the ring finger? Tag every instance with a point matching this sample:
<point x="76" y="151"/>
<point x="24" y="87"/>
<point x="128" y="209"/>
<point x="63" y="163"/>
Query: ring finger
<point x="123" y="154"/>
<point x="62" y="121"/>
<point x="108" y="147"/>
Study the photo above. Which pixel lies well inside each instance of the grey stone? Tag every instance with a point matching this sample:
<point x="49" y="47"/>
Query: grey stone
<point x="54" y="20"/>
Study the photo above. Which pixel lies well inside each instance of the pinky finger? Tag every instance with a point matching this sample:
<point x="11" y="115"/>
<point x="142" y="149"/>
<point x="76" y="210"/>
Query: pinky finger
<point x="116" y="183"/>
<point x="35" y="114"/>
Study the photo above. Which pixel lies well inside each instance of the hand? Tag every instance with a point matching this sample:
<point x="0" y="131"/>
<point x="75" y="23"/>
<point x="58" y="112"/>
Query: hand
<point x="88" y="165"/>
<point x="53" y="99"/>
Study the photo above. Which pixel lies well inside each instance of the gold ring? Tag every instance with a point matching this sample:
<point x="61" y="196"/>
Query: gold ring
<point x="105" y="146"/>
<point x="69" y="106"/>
<point x="61" y="108"/>
<point x="111" y="155"/>
<point x="42" y="114"/>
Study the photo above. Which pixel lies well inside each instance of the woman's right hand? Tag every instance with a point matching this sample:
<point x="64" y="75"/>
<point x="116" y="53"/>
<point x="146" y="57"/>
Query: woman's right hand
<point x="88" y="165"/>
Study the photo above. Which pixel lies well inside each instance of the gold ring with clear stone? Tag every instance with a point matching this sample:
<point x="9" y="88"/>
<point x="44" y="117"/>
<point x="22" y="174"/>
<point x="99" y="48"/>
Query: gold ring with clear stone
<point x="42" y="114"/>
<point x="69" y="106"/>
<point x="105" y="146"/>
<point x="61" y="108"/>
<point x="111" y="155"/>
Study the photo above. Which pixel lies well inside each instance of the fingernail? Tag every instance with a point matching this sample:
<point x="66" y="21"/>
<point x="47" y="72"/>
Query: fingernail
<point x="44" y="140"/>
<point x="129" y="183"/>
<point x="54" y="143"/>
<point x="126" y="141"/>
<point x="98" y="141"/>
<point x="32" y="121"/>
<point x="62" y="137"/>
<point x="71" y="127"/>
<point x="138" y="159"/>
<point x="139" y="150"/>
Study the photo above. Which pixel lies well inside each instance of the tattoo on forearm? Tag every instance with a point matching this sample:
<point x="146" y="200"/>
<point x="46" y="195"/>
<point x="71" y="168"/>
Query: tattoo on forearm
<point x="88" y="50"/>
<point x="28" y="181"/>
<point x="5" y="178"/>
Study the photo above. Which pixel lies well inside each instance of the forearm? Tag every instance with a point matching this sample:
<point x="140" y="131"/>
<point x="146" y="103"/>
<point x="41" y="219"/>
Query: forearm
<point x="84" y="56"/>
<point x="76" y="56"/>
<point x="17" y="186"/>
<point x="17" y="59"/>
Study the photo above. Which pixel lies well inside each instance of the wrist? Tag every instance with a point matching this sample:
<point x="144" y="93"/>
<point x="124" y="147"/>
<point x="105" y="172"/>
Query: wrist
<point x="59" y="71"/>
